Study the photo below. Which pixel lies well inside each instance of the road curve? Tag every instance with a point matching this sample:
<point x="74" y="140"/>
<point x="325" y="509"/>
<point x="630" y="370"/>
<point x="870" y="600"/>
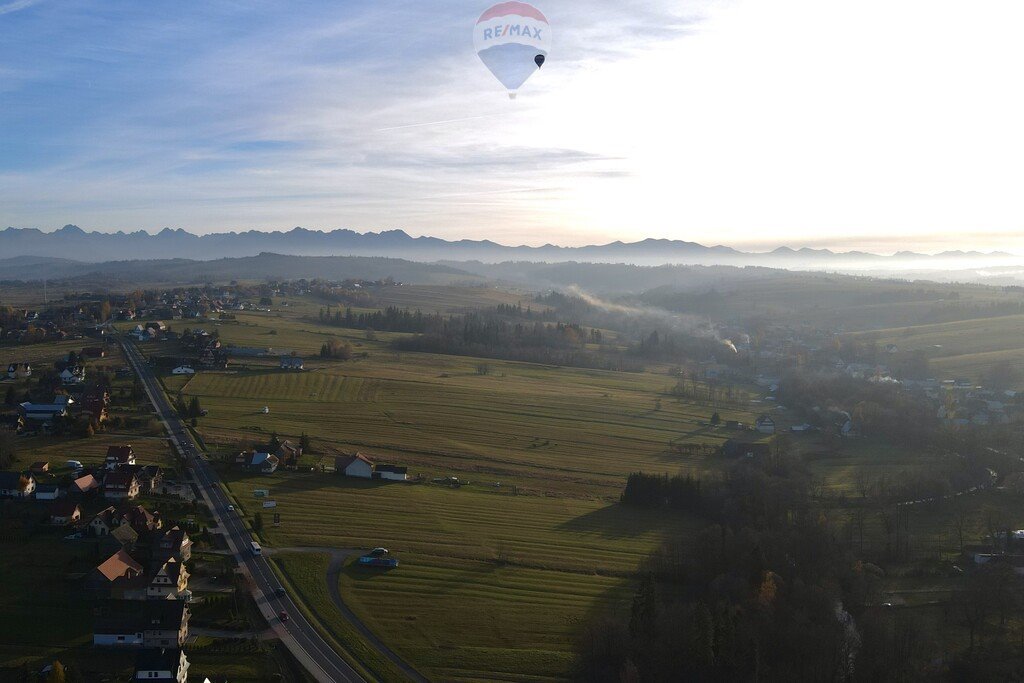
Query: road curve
<point x="297" y="634"/>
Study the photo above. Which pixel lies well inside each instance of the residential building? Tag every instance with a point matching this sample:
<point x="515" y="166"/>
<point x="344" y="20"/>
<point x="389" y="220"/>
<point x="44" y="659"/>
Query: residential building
<point x="47" y="492"/>
<point x="119" y="455"/>
<point x="65" y="512"/>
<point x="146" y="623"/>
<point x="113" y="576"/>
<point x="357" y="465"/>
<point x="165" y="665"/>
<point x="292" y="363"/>
<point x="120" y="486"/>
<point x="765" y="425"/>
<point x="183" y="370"/>
<point x="85" y="484"/>
<point x="19" y="370"/>
<point x="174" y="543"/>
<point x="17" y="485"/>
<point x="73" y="374"/>
<point x="168" y="581"/>
<point x="264" y="463"/>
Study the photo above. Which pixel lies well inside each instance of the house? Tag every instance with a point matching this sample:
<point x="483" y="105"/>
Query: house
<point x="264" y="463"/>
<point x="149" y="476"/>
<point x="174" y="543"/>
<point x="39" y="467"/>
<point x="391" y="472"/>
<point x="164" y="665"/>
<point x="183" y="370"/>
<point x="44" y="414"/>
<point x="114" y="575"/>
<point x="17" y="485"/>
<point x="765" y="425"/>
<point x="104" y="522"/>
<point x="291" y="363"/>
<point x="84" y="484"/>
<point x="123" y="536"/>
<point x="19" y="370"/>
<point x="168" y="582"/>
<point x="65" y="512"/>
<point x="289" y="454"/>
<point x="47" y="492"/>
<point x="121" y="486"/>
<point x="142" y="520"/>
<point x="73" y="374"/>
<point x="130" y="623"/>
<point x="357" y="465"/>
<point x="119" y="455"/>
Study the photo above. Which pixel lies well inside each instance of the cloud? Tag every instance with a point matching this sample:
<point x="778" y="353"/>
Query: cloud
<point x="17" y="5"/>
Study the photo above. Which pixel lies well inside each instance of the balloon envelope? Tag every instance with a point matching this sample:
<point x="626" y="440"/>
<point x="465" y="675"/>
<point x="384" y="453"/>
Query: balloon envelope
<point x="512" y="39"/>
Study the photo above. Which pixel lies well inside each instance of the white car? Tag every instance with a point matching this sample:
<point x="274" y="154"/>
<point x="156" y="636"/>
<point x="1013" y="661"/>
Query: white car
<point x="231" y="508"/>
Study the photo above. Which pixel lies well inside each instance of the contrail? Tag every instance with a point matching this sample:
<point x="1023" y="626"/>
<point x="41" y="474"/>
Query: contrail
<point x="437" y="123"/>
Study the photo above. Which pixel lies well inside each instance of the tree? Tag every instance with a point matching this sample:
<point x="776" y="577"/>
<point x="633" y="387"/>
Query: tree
<point x="57" y="673"/>
<point x="644" y="614"/>
<point x="257" y="522"/>
<point x="12" y="396"/>
<point x="715" y="419"/>
<point x="305" y="444"/>
<point x="7" y="450"/>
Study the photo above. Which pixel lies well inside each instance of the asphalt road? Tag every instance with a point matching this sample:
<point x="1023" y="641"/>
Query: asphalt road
<point x="297" y="634"/>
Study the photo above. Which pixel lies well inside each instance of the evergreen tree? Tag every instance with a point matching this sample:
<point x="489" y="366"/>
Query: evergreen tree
<point x="645" y="610"/>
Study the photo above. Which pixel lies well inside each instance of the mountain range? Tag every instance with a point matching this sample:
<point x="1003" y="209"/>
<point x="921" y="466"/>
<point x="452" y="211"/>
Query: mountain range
<point x="71" y="242"/>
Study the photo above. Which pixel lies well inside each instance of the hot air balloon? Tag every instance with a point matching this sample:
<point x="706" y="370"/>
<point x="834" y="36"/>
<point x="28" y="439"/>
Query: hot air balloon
<point x="512" y="39"/>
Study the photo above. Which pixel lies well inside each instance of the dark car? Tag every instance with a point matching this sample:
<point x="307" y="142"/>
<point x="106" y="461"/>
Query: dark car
<point x="280" y="592"/>
<point x="283" y="616"/>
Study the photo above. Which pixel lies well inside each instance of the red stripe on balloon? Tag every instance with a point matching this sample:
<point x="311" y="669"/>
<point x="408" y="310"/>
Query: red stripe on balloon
<point x="520" y="8"/>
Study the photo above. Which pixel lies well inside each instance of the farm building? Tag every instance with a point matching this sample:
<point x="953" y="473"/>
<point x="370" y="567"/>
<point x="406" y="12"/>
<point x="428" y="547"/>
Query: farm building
<point x="183" y="370"/>
<point x="45" y="413"/>
<point x="291" y="363"/>
<point x="391" y="472"/>
<point x="357" y="465"/>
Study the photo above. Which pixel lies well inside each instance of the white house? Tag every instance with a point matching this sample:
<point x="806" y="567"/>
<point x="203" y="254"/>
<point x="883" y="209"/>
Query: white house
<point x="765" y="425"/>
<point x="183" y="370"/>
<point x="73" y="375"/>
<point x="357" y="465"/>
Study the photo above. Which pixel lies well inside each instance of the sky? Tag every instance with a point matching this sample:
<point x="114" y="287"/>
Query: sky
<point x="875" y="124"/>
